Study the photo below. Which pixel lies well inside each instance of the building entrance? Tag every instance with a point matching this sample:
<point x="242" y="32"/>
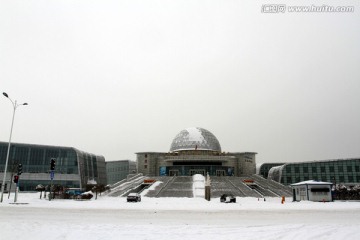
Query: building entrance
<point x="173" y="173"/>
<point x="197" y="171"/>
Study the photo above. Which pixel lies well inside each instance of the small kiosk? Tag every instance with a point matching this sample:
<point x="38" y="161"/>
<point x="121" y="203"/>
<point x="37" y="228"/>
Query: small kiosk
<point x="312" y="191"/>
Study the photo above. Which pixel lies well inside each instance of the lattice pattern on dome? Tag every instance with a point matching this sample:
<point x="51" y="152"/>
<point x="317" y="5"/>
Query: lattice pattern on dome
<point x="195" y="138"/>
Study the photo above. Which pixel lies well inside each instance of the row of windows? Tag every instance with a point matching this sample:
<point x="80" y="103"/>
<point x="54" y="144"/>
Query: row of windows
<point x="306" y="169"/>
<point x="113" y="178"/>
<point x="90" y="165"/>
<point x="347" y="162"/>
<point x="117" y="169"/>
<point x="36" y="159"/>
<point x="28" y="156"/>
<point x="334" y="179"/>
<point x="329" y="168"/>
<point x="42" y="169"/>
<point x="321" y="173"/>
<point x="341" y="171"/>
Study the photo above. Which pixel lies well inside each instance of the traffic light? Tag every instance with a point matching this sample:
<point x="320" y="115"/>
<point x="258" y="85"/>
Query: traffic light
<point x="16" y="179"/>
<point x="19" y="170"/>
<point x="52" y="164"/>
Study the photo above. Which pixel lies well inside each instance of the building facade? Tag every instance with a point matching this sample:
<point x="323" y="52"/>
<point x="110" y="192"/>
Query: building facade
<point x="196" y="151"/>
<point x="265" y="168"/>
<point x="119" y="170"/>
<point x="74" y="168"/>
<point x="339" y="171"/>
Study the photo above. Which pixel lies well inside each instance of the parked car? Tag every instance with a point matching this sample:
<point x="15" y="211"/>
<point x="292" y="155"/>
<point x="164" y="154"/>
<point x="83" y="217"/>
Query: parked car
<point x="85" y="196"/>
<point x="72" y="193"/>
<point x="134" y="197"/>
<point x="228" y="198"/>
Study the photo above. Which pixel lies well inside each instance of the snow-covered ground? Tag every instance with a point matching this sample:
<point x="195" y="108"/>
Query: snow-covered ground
<point x="176" y="218"/>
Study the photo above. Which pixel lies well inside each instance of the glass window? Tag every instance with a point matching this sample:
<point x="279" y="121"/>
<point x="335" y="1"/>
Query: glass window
<point x="288" y="179"/>
<point x="340" y="168"/>
<point x="349" y="168"/>
<point x="331" y="168"/>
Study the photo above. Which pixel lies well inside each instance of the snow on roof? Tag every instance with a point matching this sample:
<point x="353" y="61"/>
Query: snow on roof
<point x="311" y="182"/>
<point x="195" y="138"/>
<point x="195" y="134"/>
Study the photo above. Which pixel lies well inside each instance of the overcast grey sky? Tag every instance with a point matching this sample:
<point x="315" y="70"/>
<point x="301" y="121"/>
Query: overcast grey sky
<point x="116" y="77"/>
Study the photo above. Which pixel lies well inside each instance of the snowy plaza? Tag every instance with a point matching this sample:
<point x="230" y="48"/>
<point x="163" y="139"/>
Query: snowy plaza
<point x="177" y="218"/>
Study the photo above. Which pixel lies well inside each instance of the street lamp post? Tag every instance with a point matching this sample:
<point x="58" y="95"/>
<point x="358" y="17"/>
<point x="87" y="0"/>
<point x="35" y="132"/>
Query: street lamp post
<point x="15" y="105"/>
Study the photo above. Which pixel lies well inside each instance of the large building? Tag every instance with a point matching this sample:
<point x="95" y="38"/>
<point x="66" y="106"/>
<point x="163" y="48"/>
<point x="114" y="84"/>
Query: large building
<point x="196" y="151"/>
<point x="265" y="168"/>
<point x="338" y="171"/>
<point x="74" y="168"/>
<point x="119" y="170"/>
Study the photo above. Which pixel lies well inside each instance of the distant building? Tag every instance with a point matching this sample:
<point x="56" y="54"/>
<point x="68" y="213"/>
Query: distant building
<point x="312" y="191"/>
<point x="196" y="151"/>
<point x="344" y="171"/>
<point x="118" y="170"/>
<point x="265" y="168"/>
<point x="74" y="168"/>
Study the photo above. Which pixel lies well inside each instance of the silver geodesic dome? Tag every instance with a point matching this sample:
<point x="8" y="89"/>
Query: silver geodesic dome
<point x="195" y="138"/>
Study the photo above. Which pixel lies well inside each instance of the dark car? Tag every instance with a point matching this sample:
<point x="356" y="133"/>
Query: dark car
<point x="134" y="197"/>
<point x="85" y="196"/>
<point x="228" y="198"/>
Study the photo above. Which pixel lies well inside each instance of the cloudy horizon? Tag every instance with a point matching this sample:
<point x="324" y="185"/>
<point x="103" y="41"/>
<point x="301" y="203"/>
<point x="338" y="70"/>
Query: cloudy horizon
<point x="118" y="77"/>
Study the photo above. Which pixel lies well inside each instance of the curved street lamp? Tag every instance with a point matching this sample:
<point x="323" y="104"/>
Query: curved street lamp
<point x="15" y="105"/>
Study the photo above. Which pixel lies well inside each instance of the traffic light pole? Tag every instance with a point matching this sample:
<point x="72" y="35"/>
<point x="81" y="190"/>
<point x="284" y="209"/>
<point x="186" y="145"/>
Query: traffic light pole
<point x="7" y="156"/>
<point x="16" y="192"/>
<point x="15" y="105"/>
<point x="51" y="186"/>
<point x="19" y="172"/>
<point x="52" y="173"/>
<point x="12" y="175"/>
<point x="16" y="181"/>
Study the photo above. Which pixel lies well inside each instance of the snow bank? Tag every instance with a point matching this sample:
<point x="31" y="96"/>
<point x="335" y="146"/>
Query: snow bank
<point x="199" y="186"/>
<point x="177" y="219"/>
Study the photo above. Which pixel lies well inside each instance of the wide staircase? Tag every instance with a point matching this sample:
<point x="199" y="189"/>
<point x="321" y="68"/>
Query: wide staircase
<point x="221" y="185"/>
<point x="177" y="187"/>
<point x="161" y="183"/>
<point x="275" y="187"/>
<point x="182" y="186"/>
<point x="248" y="191"/>
<point x="124" y="186"/>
